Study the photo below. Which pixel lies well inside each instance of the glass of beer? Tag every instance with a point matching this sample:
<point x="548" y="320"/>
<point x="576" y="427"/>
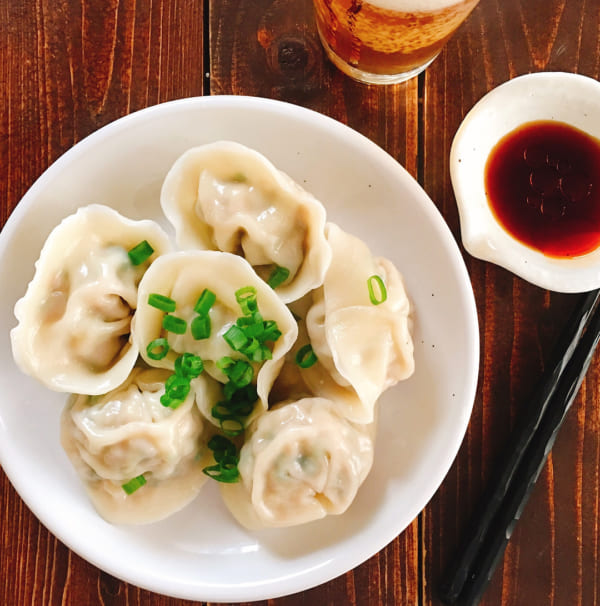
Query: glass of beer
<point x="387" y="41"/>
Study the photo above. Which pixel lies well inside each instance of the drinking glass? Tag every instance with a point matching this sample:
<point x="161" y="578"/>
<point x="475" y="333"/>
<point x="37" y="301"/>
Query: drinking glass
<point x="387" y="41"/>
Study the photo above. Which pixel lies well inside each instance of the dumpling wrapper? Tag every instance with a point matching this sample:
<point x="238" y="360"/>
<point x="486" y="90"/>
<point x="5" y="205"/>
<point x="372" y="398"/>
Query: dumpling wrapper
<point x="113" y="438"/>
<point x="183" y="276"/>
<point x="74" y="321"/>
<point x="364" y="347"/>
<point x="300" y="462"/>
<point x="225" y="196"/>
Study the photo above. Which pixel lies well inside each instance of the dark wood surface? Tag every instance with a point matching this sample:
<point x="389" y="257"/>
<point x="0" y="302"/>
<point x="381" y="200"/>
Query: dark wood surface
<point x="70" y="66"/>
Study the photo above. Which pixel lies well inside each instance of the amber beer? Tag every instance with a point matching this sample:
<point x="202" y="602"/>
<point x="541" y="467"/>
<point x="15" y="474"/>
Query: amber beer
<point x="385" y="41"/>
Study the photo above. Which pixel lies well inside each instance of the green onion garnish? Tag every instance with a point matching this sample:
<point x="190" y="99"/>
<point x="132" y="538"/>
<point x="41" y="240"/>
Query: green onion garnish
<point x="241" y="373"/>
<point x="246" y="298"/>
<point x="189" y="365"/>
<point x="205" y="302"/>
<point x="278" y="276"/>
<point x="133" y="484"/>
<point x="227" y="459"/>
<point x="232" y="426"/>
<point x="224" y="363"/>
<point x="260" y="354"/>
<point x="161" y="302"/>
<point x="249" y="349"/>
<point x="228" y="409"/>
<point x="306" y="357"/>
<point x="243" y="395"/>
<point x="174" y="324"/>
<point x="375" y="279"/>
<point x="157" y="349"/>
<point x="251" y="328"/>
<point x="250" y="320"/>
<point x="239" y="402"/>
<point x="222" y="447"/>
<point x="177" y="389"/>
<point x="221" y="473"/>
<point x="229" y="390"/>
<point x="140" y="253"/>
<point x="200" y="327"/>
<point x="235" y="337"/>
<point x="271" y="331"/>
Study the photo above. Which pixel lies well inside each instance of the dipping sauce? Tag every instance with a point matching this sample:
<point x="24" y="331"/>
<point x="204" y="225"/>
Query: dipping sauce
<point x="542" y="183"/>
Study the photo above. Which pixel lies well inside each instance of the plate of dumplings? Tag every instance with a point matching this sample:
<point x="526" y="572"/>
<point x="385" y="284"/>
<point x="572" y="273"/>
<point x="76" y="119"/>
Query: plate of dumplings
<point x="229" y="370"/>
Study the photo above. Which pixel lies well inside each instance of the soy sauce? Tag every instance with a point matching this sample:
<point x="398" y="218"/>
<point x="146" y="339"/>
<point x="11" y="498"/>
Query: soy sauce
<point x="542" y="183"/>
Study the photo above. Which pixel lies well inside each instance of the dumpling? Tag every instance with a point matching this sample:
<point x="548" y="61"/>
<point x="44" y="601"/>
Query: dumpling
<point x="364" y="347"/>
<point x="300" y="462"/>
<point x="225" y="196"/>
<point x="74" y="322"/>
<point x="182" y="277"/>
<point x="116" y="438"/>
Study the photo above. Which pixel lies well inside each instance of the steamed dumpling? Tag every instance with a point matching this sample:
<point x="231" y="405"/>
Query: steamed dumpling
<point x="362" y="346"/>
<point x="74" y="322"/>
<point x="224" y="196"/>
<point x="301" y="461"/>
<point x="113" y="438"/>
<point x="183" y="276"/>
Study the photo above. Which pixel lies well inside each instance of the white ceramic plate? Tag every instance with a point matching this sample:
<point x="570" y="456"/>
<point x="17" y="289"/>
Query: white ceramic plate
<point x="200" y="553"/>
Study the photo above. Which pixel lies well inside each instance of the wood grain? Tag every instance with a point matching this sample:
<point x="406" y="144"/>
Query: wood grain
<point x="544" y="563"/>
<point x="68" y="67"/>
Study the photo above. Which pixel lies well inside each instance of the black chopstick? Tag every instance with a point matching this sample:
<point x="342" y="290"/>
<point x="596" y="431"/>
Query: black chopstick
<point x="469" y="572"/>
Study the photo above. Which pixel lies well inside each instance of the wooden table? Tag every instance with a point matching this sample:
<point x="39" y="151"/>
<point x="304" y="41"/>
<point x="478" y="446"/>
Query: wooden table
<point x="69" y="67"/>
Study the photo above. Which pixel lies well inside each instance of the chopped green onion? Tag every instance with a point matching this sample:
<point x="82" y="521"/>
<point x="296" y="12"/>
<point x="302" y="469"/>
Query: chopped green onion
<point x="133" y="484"/>
<point x="157" y="349"/>
<point x="278" y="276"/>
<point x="271" y="331"/>
<point x="225" y="362"/>
<point x="251" y="330"/>
<point x="250" y="320"/>
<point x="229" y="390"/>
<point x="227" y="475"/>
<point x="235" y="337"/>
<point x="232" y="426"/>
<point x="246" y="298"/>
<point x="247" y="393"/>
<point x="306" y="357"/>
<point x="375" y="279"/>
<point x="177" y="386"/>
<point x="205" y="302"/>
<point x="140" y="253"/>
<point x="177" y="389"/>
<point x="241" y="373"/>
<point x="228" y="408"/>
<point x="261" y="354"/>
<point x="221" y="411"/>
<point x="249" y="349"/>
<point x="239" y="400"/>
<point x="200" y="327"/>
<point x="189" y="365"/>
<point x="174" y="324"/>
<point x="222" y="447"/>
<point x="161" y="302"/>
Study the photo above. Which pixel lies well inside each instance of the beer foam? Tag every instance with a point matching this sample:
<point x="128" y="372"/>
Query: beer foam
<point x="413" y="5"/>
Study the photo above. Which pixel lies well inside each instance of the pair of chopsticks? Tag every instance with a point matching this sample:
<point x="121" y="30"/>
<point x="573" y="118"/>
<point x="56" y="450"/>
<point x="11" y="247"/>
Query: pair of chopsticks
<point x="470" y="571"/>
